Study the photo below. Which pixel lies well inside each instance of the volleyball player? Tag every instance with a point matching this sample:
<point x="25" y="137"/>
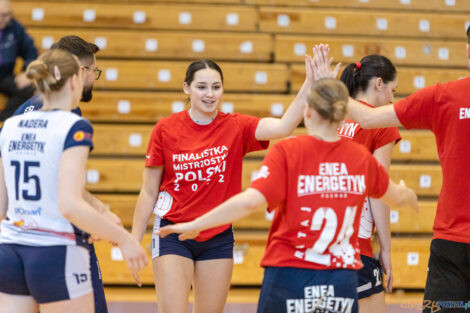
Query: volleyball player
<point x="85" y="52"/>
<point x="44" y="257"/>
<point x="444" y="109"/>
<point x="317" y="183"/>
<point x="372" y="81"/>
<point x="194" y="162"/>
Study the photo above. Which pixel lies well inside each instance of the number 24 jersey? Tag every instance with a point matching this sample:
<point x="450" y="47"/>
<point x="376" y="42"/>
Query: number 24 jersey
<point x="318" y="189"/>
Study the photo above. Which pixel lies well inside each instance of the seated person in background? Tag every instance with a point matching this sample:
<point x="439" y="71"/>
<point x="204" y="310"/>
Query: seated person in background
<point x="14" y="43"/>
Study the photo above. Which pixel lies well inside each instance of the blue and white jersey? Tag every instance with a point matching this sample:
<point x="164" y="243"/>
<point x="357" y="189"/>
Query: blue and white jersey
<point x="31" y="148"/>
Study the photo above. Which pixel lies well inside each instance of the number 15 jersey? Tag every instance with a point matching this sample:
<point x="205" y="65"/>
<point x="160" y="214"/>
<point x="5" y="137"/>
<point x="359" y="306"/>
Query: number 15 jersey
<point x="318" y="189"/>
<point x="31" y="148"/>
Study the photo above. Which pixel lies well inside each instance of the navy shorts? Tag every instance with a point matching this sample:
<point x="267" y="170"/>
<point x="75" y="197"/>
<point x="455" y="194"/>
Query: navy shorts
<point x="97" y="282"/>
<point x="289" y="290"/>
<point x="370" y="278"/>
<point x="218" y="247"/>
<point x="47" y="273"/>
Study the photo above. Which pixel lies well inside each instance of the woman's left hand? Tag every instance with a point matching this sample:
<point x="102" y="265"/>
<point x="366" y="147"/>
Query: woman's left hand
<point x="186" y="231"/>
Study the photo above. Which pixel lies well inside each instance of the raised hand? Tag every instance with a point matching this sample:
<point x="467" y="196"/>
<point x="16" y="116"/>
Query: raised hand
<point x="321" y="63"/>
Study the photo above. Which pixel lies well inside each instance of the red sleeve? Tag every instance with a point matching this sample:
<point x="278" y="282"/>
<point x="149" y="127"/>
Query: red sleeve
<point x="384" y="136"/>
<point x="271" y="180"/>
<point x="377" y="179"/>
<point x="249" y="124"/>
<point x="417" y="110"/>
<point x="154" y="156"/>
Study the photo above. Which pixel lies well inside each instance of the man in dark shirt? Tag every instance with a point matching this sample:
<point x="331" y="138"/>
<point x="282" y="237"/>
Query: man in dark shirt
<point x="14" y="43"/>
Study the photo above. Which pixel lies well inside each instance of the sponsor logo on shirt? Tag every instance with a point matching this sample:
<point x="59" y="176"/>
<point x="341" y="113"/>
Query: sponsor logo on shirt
<point x="23" y="211"/>
<point x="319" y="298"/>
<point x="262" y="173"/>
<point x="81" y="135"/>
<point x="464" y="113"/>
<point x="332" y="178"/>
<point x="28" y="144"/>
<point x="348" y="130"/>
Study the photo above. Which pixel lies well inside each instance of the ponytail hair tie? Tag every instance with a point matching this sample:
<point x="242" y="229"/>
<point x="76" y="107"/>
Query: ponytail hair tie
<point x="358" y="65"/>
<point x="56" y="73"/>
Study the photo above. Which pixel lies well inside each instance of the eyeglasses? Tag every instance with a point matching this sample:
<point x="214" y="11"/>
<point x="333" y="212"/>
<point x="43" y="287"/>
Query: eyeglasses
<point x="96" y="71"/>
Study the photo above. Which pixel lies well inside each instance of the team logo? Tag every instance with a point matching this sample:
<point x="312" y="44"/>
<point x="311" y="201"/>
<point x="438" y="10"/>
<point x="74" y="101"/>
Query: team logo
<point x="79" y="136"/>
<point x="19" y="223"/>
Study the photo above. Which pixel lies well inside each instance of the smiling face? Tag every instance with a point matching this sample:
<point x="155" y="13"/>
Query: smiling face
<point x="205" y="91"/>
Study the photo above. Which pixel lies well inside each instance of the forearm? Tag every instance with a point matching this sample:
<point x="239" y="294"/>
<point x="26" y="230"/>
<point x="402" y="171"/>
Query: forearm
<point x="84" y="216"/>
<point x="294" y="114"/>
<point x="367" y="117"/>
<point x="97" y="204"/>
<point x="273" y="128"/>
<point x="142" y="213"/>
<point x="381" y="216"/>
<point x="235" y="208"/>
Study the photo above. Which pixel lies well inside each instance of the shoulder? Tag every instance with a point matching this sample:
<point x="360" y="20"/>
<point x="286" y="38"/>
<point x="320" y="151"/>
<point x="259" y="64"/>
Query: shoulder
<point x="32" y="104"/>
<point x="456" y="85"/>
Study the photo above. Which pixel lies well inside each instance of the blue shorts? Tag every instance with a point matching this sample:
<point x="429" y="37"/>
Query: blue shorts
<point x="97" y="282"/>
<point x="370" y="278"/>
<point x="218" y="247"/>
<point x="290" y="290"/>
<point x="47" y="273"/>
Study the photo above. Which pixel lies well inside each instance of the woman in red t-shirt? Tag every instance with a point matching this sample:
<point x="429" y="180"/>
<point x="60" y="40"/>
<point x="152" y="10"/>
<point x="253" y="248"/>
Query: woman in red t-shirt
<point x="194" y="163"/>
<point x="318" y="184"/>
<point x="373" y="81"/>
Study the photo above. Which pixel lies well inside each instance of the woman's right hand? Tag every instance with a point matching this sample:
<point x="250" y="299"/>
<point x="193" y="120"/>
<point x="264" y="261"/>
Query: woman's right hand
<point x="134" y="254"/>
<point x="322" y="63"/>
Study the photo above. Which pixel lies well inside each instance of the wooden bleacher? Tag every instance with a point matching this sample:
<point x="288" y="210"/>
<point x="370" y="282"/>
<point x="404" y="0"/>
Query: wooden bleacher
<point x="348" y="22"/>
<point x="403" y="51"/>
<point x="406" y="6"/>
<point x="161" y="75"/>
<point x="136" y="16"/>
<point x="146" y="47"/>
<point x="410" y="79"/>
<point x="149" y="107"/>
<point x="231" y="46"/>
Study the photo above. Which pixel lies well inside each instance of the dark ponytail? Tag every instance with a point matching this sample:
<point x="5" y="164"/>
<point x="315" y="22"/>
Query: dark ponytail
<point x="356" y="76"/>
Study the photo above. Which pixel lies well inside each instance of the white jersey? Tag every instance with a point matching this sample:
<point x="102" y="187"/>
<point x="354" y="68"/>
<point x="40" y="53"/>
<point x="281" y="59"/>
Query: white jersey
<point x="31" y="148"/>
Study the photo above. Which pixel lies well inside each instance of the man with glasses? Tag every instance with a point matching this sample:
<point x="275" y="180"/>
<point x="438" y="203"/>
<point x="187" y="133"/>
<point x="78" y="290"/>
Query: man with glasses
<point x="14" y="43"/>
<point x="85" y="53"/>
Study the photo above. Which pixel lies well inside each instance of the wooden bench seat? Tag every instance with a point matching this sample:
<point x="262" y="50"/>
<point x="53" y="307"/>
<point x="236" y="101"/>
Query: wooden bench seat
<point x="413" y="52"/>
<point x="409" y="259"/>
<point x="103" y="175"/>
<point x="173" y="45"/>
<point x="362" y="22"/>
<point x="161" y="75"/>
<point x="136" y="16"/>
<point x="410" y="79"/>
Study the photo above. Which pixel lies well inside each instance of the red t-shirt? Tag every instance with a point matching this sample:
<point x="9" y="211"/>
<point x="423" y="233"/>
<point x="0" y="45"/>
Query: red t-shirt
<point x="202" y="163"/>
<point x="318" y="189"/>
<point x="445" y="110"/>
<point x="372" y="139"/>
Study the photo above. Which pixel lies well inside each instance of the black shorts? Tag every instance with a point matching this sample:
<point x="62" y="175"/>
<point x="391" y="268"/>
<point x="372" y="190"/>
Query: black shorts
<point x="370" y="278"/>
<point x="218" y="247"/>
<point x="448" y="281"/>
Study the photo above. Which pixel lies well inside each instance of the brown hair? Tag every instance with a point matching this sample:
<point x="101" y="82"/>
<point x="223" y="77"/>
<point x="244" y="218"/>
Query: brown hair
<point x="52" y="69"/>
<point x="329" y="97"/>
